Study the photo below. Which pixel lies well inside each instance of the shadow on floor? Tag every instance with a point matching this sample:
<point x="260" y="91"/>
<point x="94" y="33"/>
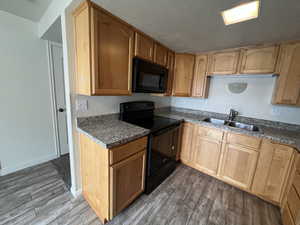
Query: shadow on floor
<point x="62" y="164"/>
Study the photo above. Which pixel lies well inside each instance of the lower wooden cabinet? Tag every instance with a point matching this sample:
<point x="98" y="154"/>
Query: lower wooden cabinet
<point x="287" y="218"/>
<point x="126" y="181"/>
<point x="186" y="143"/>
<point x="238" y="165"/>
<point x="272" y="170"/>
<point x="206" y="155"/>
<point x="111" y="178"/>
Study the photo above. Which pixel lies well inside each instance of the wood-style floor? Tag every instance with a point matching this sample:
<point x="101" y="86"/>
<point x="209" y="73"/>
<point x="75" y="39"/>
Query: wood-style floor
<point x="38" y="195"/>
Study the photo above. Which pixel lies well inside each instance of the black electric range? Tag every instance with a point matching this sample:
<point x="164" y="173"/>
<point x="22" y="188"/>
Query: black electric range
<point x="163" y="140"/>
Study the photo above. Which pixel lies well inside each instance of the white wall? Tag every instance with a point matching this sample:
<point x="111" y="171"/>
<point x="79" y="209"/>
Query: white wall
<point x="254" y="102"/>
<point x="26" y="132"/>
<point x="98" y="105"/>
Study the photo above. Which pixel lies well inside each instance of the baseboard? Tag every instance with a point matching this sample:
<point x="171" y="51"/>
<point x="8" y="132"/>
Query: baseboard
<point x="8" y="170"/>
<point x="76" y="193"/>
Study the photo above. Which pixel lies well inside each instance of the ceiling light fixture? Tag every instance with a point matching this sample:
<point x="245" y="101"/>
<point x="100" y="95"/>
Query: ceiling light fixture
<point x="240" y="13"/>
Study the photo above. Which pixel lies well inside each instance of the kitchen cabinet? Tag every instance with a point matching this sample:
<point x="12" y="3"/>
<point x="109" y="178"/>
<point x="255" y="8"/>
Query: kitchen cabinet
<point x="111" y="178"/>
<point x="272" y="170"/>
<point x="102" y="41"/>
<point x="258" y="60"/>
<point x="287" y="89"/>
<point x="127" y="181"/>
<point x="186" y="143"/>
<point x="160" y="54"/>
<point x="144" y="47"/>
<point x="206" y="150"/>
<point x="183" y="76"/>
<point x="200" y="81"/>
<point x="238" y="165"/>
<point x="225" y="62"/>
<point x="170" y="67"/>
<point x="291" y="208"/>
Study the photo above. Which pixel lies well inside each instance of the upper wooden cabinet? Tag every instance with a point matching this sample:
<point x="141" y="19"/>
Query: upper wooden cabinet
<point x="287" y="89"/>
<point x="170" y="66"/>
<point x="272" y="170"/>
<point x="160" y="54"/>
<point x="258" y="60"/>
<point x="144" y="46"/>
<point x="183" y="76"/>
<point x="224" y="62"/>
<point x="201" y="81"/>
<point x="102" y="41"/>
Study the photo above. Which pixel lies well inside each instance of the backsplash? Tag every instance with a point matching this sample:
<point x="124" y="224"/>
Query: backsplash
<point x="254" y="102"/>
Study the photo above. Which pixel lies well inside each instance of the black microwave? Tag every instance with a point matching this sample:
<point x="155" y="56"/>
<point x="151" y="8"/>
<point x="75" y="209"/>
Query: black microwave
<point x="148" y="77"/>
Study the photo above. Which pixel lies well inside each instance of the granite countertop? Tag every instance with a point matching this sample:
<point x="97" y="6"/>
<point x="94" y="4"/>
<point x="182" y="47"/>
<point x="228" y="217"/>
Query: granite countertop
<point x="109" y="131"/>
<point x="279" y="132"/>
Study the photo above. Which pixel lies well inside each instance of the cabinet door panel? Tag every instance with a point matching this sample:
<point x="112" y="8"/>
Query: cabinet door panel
<point x="112" y="45"/>
<point x="224" y="62"/>
<point x="287" y="218"/>
<point x="294" y="205"/>
<point x="127" y="181"/>
<point x="144" y="47"/>
<point x="206" y="155"/>
<point x="186" y="143"/>
<point x="259" y="60"/>
<point x="160" y="54"/>
<point x="272" y="170"/>
<point x="238" y="166"/>
<point x="200" y="82"/>
<point x="171" y="63"/>
<point x="287" y="89"/>
<point x="184" y="72"/>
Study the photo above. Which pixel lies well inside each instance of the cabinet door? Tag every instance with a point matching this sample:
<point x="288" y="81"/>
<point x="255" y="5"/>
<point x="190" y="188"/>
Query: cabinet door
<point x="184" y="72"/>
<point x="238" y="165"/>
<point x="144" y="47"/>
<point x="126" y="182"/>
<point x="287" y="218"/>
<point x="112" y="46"/>
<point x="287" y="90"/>
<point x="200" y="82"/>
<point x="186" y="143"/>
<point x="224" y="62"/>
<point x="170" y="66"/>
<point x="160" y="54"/>
<point x="272" y="170"/>
<point x="259" y="60"/>
<point x="206" y="155"/>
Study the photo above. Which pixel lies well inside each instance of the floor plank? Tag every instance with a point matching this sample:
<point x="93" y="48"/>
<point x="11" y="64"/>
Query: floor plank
<point x="39" y="196"/>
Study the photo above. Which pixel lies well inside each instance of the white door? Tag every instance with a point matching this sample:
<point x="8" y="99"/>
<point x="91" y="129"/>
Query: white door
<point x="56" y="62"/>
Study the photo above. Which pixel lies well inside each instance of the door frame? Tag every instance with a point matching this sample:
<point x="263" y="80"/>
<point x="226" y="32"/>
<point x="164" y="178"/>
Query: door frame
<point x="53" y="97"/>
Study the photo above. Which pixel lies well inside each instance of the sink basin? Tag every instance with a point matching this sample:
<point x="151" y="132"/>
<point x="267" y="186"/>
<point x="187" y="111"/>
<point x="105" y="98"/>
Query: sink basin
<point x="243" y="126"/>
<point x="215" y="121"/>
<point x="239" y="125"/>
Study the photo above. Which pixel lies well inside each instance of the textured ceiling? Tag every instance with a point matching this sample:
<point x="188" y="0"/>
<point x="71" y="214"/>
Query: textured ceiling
<point x="196" y="25"/>
<point x="29" y="9"/>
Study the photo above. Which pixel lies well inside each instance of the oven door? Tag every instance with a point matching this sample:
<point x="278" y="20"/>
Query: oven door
<point x="163" y="150"/>
<point x="148" y="77"/>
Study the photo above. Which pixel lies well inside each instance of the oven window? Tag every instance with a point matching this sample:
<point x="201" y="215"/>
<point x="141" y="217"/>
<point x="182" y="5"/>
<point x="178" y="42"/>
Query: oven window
<point x="149" y="80"/>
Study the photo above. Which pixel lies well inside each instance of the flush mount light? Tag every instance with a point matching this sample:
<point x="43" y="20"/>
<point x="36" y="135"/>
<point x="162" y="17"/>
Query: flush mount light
<point x="240" y="13"/>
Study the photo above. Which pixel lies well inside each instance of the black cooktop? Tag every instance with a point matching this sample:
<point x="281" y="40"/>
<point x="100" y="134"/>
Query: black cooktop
<point x="154" y="123"/>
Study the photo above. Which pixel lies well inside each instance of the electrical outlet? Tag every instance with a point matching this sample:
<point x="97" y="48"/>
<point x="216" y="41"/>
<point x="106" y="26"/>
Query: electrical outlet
<point x="82" y="105"/>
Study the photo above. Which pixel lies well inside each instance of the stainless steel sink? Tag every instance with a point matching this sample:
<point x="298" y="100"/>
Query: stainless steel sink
<point x="244" y="126"/>
<point x="239" y="125"/>
<point x="215" y="121"/>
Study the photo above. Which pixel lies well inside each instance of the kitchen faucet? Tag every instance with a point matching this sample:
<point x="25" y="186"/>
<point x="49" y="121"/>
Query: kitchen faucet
<point x="232" y="114"/>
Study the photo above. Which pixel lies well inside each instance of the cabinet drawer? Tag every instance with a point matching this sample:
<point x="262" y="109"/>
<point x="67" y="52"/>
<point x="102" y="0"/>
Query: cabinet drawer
<point x="124" y="151"/>
<point x="243" y="140"/>
<point x="294" y="204"/>
<point x="210" y="133"/>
